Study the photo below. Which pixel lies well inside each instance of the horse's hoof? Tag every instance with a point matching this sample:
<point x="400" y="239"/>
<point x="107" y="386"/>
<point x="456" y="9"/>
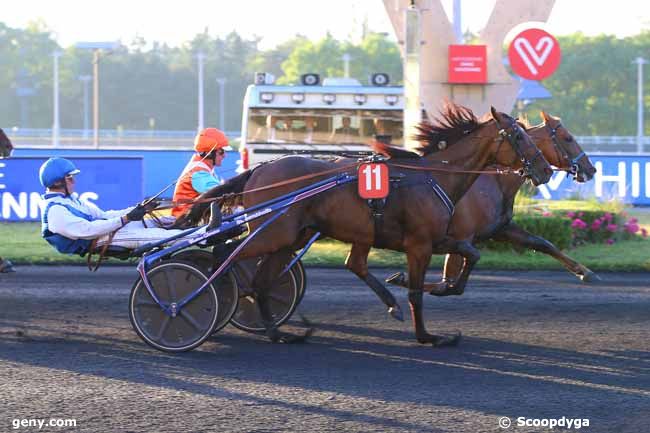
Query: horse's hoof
<point x="277" y="336"/>
<point x="444" y="341"/>
<point x="447" y="288"/>
<point x="397" y="279"/>
<point x="396" y="313"/>
<point x="295" y="339"/>
<point x="589" y="277"/>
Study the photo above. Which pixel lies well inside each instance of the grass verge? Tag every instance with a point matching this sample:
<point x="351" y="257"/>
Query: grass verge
<point x="21" y="242"/>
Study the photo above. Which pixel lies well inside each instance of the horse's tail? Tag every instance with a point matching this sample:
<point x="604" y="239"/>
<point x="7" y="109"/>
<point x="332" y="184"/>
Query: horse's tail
<point x="233" y="185"/>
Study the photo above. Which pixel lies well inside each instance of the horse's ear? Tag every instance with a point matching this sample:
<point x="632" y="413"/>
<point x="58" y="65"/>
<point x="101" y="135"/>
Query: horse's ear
<point x="544" y="116"/>
<point x="495" y="114"/>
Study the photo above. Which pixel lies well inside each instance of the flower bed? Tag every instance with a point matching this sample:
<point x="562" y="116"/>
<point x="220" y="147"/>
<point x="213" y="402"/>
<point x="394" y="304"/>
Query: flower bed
<point x="570" y="229"/>
<point x="603" y="227"/>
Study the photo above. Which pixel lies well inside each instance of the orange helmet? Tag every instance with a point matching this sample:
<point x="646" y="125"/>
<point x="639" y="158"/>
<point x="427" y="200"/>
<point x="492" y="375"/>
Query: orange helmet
<point x="210" y="139"/>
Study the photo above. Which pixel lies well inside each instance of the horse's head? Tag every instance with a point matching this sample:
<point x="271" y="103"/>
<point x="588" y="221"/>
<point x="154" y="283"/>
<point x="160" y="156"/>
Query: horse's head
<point x="520" y="150"/>
<point x="561" y="149"/>
<point x="5" y="145"/>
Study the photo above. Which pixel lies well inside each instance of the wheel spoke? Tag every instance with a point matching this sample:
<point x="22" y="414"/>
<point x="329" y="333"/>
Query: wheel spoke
<point x="146" y="303"/>
<point x="163" y="327"/>
<point x="191" y="320"/>
<point x="169" y="277"/>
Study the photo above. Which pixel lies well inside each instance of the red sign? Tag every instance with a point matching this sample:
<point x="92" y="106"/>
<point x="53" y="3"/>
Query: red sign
<point x="373" y="180"/>
<point x="467" y="64"/>
<point x="534" y="54"/>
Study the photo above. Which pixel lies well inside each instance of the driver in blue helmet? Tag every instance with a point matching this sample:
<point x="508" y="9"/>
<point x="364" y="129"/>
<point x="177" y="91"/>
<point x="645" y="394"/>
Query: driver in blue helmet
<point x="70" y="224"/>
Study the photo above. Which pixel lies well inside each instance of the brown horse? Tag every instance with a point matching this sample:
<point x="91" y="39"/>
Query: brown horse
<point x="5" y="152"/>
<point x="456" y="146"/>
<point x="486" y="211"/>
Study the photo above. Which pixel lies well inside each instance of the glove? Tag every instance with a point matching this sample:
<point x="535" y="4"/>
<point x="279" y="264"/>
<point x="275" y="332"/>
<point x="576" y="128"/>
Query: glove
<point x="137" y="213"/>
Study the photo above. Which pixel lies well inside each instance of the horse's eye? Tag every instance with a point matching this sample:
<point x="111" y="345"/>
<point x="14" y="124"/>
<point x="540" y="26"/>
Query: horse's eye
<point x="569" y="139"/>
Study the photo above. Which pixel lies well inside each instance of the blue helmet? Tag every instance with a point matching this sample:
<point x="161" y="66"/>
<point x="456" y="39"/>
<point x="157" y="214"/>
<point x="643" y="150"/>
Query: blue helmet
<point x="55" y="169"/>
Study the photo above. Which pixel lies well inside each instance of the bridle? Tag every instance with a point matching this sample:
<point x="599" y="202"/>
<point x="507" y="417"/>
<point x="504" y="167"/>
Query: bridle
<point x="559" y="148"/>
<point x="513" y="133"/>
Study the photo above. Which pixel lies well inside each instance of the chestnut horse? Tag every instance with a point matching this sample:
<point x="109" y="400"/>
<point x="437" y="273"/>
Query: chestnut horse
<point x="416" y="217"/>
<point x="486" y="211"/>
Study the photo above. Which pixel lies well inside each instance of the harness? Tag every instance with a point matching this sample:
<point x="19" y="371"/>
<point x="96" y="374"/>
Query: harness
<point x="513" y="133"/>
<point x="573" y="163"/>
<point x="59" y="242"/>
<point x="398" y="180"/>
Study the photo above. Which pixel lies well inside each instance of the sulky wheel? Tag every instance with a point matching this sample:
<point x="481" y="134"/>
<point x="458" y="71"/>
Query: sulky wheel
<point x="226" y="285"/>
<point x="301" y="279"/>
<point x="172" y="281"/>
<point x="283" y="297"/>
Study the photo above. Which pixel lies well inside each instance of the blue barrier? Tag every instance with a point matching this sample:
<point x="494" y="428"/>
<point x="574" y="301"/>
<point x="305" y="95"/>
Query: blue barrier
<point x="619" y="177"/>
<point x="160" y="167"/>
<point x="111" y="183"/>
<point x="120" y="178"/>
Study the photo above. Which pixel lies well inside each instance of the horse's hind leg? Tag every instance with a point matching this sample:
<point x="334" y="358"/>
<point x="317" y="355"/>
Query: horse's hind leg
<point x="357" y="262"/>
<point x="517" y="236"/>
<point x="267" y="272"/>
<point x="470" y="256"/>
<point x="451" y="274"/>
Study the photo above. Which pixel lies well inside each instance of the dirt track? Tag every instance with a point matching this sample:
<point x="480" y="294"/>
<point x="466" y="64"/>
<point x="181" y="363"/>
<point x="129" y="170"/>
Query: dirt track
<point x="536" y="345"/>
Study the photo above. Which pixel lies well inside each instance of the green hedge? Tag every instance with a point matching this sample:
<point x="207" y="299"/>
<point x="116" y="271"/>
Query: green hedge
<point x="567" y="229"/>
<point x="554" y="228"/>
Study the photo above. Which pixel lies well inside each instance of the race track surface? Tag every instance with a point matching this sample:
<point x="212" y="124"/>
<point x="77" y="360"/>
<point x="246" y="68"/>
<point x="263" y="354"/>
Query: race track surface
<point x="537" y="345"/>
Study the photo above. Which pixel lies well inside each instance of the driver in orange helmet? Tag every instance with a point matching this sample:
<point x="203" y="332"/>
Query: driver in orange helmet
<point x="198" y="175"/>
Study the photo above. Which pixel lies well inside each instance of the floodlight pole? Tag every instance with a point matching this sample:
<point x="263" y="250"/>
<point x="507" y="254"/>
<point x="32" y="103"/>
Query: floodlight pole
<point x="85" y="79"/>
<point x="56" y="126"/>
<point x="640" y="61"/>
<point x="346" y="65"/>
<point x="222" y="85"/>
<point x="97" y="48"/>
<point x="200" y="57"/>
<point x="96" y="98"/>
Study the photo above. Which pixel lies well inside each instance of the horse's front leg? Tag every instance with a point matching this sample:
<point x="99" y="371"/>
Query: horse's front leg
<point x="417" y="265"/>
<point x="357" y="262"/>
<point x="519" y="237"/>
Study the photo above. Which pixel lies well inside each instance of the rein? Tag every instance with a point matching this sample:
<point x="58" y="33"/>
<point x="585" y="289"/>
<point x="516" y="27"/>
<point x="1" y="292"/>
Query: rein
<point x="171" y="204"/>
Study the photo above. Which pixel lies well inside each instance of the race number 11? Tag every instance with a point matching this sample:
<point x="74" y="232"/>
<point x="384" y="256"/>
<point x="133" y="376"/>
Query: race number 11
<point x="373" y="180"/>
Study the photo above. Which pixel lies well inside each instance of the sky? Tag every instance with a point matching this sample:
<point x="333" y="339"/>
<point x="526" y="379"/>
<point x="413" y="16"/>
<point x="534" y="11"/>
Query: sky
<point x="275" y="21"/>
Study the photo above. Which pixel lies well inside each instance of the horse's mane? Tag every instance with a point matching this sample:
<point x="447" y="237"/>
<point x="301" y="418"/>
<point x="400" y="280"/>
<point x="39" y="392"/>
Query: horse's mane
<point x="392" y="151"/>
<point x="453" y="123"/>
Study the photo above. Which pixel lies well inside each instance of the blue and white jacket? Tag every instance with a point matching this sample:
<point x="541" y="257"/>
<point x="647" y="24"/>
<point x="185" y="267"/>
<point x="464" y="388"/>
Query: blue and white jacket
<point x="70" y="224"/>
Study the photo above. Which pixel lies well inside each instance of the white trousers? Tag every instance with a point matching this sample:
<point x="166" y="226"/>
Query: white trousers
<point x="138" y="233"/>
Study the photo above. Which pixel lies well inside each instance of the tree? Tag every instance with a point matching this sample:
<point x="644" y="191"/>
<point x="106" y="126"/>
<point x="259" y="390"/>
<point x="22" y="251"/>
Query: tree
<point x="594" y="89"/>
<point x="375" y="53"/>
